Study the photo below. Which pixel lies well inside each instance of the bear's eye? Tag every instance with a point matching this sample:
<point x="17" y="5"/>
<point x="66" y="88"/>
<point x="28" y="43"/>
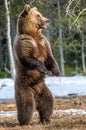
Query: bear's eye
<point x="38" y="16"/>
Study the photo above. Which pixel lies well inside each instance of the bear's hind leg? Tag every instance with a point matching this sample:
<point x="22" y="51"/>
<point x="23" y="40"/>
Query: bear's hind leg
<point x="45" y="106"/>
<point x="25" y="109"/>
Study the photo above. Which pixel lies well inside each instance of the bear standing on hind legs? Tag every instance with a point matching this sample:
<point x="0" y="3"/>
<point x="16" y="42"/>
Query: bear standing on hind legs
<point x="33" y="61"/>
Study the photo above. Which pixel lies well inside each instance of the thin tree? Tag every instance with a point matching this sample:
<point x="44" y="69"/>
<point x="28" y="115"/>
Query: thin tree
<point x="60" y="39"/>
<point x="12" y="68"/>
<point x="83" y="52"/>
<point x="78" y="26"/>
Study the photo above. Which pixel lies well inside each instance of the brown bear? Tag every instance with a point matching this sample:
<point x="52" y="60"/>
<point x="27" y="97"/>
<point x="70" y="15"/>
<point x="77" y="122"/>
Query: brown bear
<point x="33" y="61"/>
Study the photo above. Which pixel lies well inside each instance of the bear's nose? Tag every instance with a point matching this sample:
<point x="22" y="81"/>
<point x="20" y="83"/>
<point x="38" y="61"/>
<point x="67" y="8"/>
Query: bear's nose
<point x="47" y="20"/>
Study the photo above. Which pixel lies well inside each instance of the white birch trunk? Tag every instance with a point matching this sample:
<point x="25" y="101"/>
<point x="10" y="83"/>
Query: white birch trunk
<point x="60" y="46"/>
<point x="12" y="68"/>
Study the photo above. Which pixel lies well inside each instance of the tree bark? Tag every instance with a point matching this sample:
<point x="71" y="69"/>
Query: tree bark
<point x="12" y="68"/>
<point x="1" y="57"/>
<point x="83" y="53"/>
<point x="13" y="28"/>
<point x="60" y="39"/>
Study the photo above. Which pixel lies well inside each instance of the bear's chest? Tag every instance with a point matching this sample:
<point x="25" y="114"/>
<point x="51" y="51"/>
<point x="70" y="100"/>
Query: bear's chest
<point x="40" y="51"/>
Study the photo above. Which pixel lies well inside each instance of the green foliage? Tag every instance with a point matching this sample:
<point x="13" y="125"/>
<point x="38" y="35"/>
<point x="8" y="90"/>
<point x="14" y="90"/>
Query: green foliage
<point x="71" y="38"/>
<point x="4" y="74"/>
<point x="71" y="70"/>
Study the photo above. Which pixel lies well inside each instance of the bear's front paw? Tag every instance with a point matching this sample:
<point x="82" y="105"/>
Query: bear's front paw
<point x="55" y="72"/>
<point x="43" y="70"/>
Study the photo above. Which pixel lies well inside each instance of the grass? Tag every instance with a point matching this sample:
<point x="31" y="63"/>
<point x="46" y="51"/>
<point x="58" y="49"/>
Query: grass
<point x="59" y="121"/>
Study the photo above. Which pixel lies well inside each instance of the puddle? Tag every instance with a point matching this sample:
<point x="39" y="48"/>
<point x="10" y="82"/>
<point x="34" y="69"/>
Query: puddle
<point x="68" y="112"/>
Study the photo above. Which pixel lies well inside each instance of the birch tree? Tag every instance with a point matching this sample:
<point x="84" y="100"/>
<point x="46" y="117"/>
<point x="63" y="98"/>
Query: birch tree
<point x="12" y="68"/>
<point x="83" y="53"/>
<point x="60" y="39"/>
<point x="71" y="12"/>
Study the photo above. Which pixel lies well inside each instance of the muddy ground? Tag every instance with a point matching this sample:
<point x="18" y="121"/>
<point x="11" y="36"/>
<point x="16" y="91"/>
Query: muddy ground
<point x="59" y="121"/>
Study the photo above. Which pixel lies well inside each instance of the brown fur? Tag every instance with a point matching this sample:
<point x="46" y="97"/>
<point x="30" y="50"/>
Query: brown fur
<point x="33" y="61"/>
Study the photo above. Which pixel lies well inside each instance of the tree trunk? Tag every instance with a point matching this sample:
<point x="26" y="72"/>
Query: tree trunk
<point x="12" y="68"/>
<point x="60" y="39"/>
<point x="83" y="53"/>
<point x="48" y="35"/>
<point x="84" y="1"/>
<point x="13" y="28"/>
<point x="1" y="57"/>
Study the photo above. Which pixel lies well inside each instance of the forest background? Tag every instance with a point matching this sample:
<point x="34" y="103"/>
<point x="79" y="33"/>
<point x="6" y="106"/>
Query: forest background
<point x="66" y="32"/>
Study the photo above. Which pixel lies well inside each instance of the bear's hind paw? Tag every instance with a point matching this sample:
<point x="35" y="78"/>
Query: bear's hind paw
<point x="45" y="122"/>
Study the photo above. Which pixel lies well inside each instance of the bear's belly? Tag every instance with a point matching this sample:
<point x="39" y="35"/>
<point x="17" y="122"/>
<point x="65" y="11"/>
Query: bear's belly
<point x="29" y="78"/>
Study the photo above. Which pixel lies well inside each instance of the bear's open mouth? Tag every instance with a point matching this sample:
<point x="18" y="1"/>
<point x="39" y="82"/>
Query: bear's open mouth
<point x="45" y="24"/>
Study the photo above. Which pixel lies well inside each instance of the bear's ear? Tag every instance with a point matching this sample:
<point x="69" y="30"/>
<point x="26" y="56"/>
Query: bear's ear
<point x="35" y="8"/>
<point x="27" y="8"/>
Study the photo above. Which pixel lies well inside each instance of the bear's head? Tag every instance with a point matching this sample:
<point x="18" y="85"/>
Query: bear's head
<point x="31" y="21"/>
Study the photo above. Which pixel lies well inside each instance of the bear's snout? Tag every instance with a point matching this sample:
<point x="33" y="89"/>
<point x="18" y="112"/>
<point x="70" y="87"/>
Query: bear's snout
<point x="44" y="23"/>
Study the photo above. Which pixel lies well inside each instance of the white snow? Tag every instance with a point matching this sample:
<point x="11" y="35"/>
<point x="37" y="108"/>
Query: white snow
<point x="59" y="86"/>
<point x="65" y="86"/>
<point x="56" y="112"/>
<point x="8" y="113"/>
<point x="71" y="111"/>
<point x="6" y="89"/>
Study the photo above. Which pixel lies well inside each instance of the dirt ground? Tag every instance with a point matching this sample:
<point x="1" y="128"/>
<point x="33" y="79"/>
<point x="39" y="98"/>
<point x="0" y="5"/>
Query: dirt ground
<point x="59" y="121"/>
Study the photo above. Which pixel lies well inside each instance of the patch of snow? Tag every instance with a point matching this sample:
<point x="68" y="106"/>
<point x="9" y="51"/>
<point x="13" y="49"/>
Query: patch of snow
<point x="71" y="111"/>
<point x="6" y="89"/>
<point x="55" y="112"/>
<point x="59" y="86"/>
<point x="64" y="86"/>
<point x="8" y="113"/>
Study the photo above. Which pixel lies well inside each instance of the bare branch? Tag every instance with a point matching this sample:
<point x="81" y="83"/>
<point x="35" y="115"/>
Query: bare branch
<point x="32" y="2"/>
<point x="67" y="9"/>
<point x="78" y="17"/>
<point x="70" y="10"/>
